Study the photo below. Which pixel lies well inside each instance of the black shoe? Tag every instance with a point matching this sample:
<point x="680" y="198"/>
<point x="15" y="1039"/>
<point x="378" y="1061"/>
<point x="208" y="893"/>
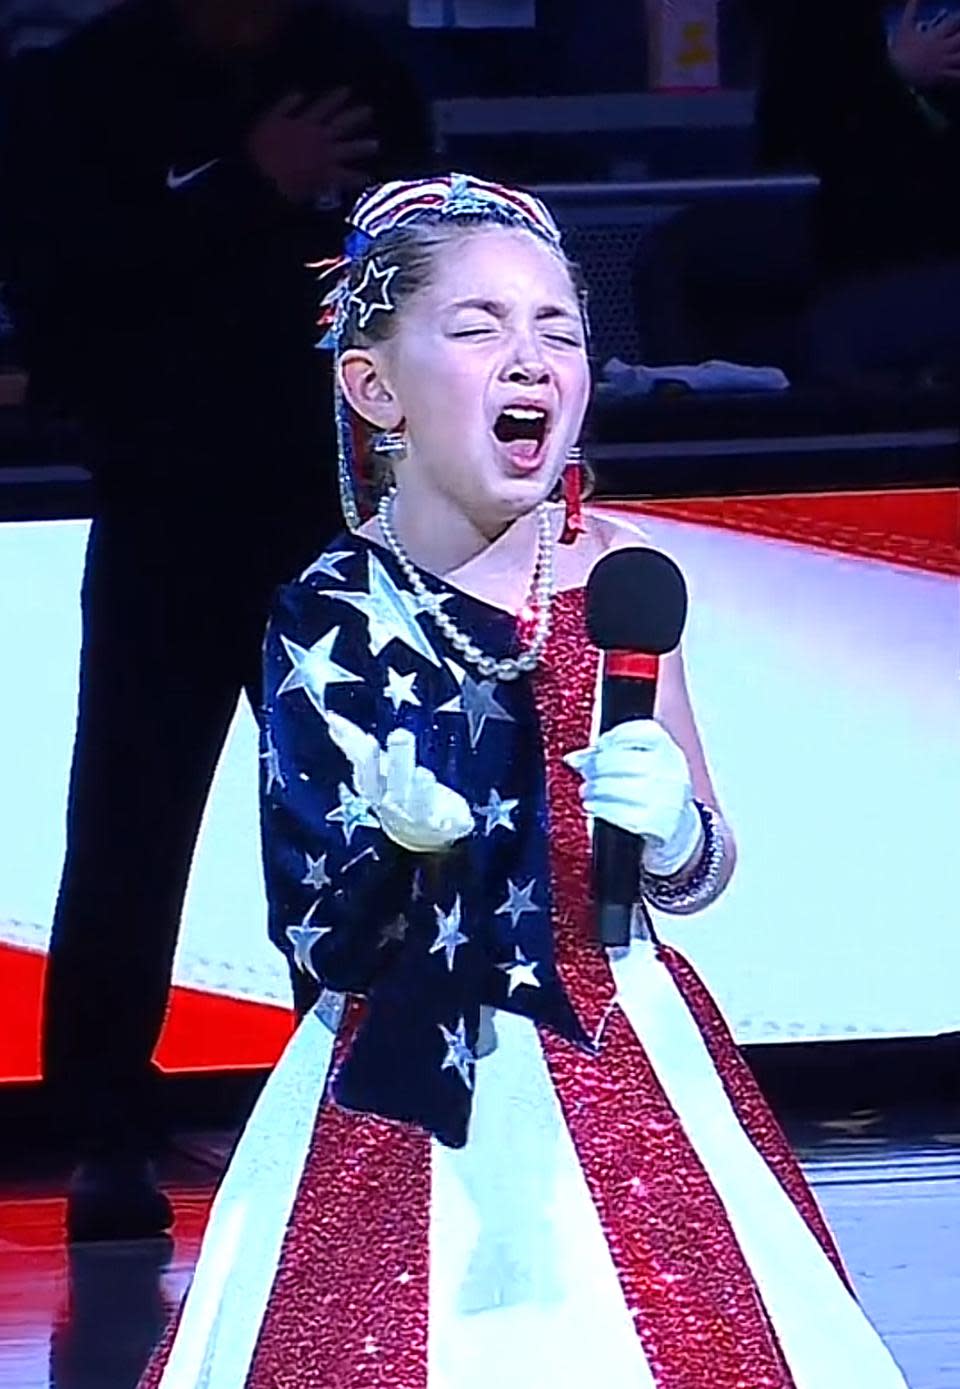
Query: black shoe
<point x="116" y="1198"/>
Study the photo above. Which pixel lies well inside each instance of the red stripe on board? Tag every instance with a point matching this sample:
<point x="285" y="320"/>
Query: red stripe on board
<point x="697" y="1310"/>
<point x="212" y="1032"/>
<point x="918" y="528"/>
<point x="21" y="994"/>
<point x="203" y="1031"/>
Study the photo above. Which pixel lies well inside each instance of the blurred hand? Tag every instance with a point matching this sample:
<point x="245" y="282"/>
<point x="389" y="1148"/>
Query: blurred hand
<point x="928" y="55"/>
<point x="314" y="151"/>
<point x="414" y="809"/>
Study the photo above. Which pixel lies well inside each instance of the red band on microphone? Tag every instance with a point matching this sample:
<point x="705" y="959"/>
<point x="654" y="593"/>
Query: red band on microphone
<point x="632" y="665"/>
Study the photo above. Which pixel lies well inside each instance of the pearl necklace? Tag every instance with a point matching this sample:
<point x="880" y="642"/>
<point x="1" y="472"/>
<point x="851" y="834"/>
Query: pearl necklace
<point x="511" y="667"/>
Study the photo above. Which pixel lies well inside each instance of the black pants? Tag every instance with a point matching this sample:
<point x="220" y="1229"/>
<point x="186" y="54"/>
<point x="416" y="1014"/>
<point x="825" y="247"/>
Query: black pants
<point x="176" y="593"/>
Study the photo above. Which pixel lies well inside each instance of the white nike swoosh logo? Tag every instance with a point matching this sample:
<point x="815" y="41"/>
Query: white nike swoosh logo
<point x="175" y="180"/>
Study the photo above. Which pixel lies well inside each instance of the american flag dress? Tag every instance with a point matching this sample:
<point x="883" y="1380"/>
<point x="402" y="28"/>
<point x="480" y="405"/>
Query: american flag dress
<point x="493" y="1154"/>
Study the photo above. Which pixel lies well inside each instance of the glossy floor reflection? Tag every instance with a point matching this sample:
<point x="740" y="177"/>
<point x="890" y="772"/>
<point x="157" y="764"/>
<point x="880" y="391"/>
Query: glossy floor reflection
<point x="87" y="1318"/>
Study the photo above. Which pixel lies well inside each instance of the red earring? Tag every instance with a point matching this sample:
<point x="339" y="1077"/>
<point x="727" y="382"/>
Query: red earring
<point x="573" y="524"/>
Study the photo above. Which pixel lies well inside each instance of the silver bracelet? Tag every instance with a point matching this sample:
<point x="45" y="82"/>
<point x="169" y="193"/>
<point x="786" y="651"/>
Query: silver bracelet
<point x="686" y="892"/>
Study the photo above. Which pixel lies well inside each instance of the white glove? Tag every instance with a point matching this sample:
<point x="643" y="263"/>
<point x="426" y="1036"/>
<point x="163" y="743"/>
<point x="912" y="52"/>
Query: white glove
<point x="413" y="808"/>
<point x="635" y="776"/>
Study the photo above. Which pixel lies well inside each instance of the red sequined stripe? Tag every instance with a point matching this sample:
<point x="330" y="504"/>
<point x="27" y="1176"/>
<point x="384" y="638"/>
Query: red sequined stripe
<point x="747" y="1099"/>
<point x="697" y="1311"/>
<point x="350" y="1302"/>
<point x="565" y="689"/>
<point x="696" y="1308"/>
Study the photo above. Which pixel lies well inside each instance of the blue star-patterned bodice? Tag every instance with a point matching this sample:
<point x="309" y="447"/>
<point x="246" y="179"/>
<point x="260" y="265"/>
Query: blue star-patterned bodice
<point x="426" y="939"/>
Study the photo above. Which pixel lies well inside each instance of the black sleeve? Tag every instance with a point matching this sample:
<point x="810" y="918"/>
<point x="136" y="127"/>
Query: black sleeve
<point x="77" y="182"/>
<point x="91" y="228"/>
<point x="89" y="223"/>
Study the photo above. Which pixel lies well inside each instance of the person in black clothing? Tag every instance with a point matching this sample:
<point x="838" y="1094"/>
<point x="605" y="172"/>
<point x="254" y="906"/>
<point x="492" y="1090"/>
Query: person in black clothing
<point x="876" y="119"/>
<point x="168" y="174"/>
<point x="869" y="99"/>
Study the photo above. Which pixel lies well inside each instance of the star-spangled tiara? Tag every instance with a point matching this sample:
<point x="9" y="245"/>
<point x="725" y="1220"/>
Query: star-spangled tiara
<point x="397" y="204"/>
<point x="391" y="206"/>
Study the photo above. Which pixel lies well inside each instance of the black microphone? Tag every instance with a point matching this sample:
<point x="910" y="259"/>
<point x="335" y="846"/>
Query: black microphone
<point x="636" y="610"/>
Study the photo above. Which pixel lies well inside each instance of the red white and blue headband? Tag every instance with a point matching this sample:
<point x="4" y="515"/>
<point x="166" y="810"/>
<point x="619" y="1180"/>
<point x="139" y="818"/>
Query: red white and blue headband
<point x="389" y="207"/>
<point x="393" y="205"/>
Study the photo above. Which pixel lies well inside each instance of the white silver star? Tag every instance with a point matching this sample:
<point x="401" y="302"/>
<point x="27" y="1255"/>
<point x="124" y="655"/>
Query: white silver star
<point x="352" y="814"/>
<point x="375" y="282"/>
<point x="388" y="614"/>
<point x="316" y="873"/>
<point x="303" y="938"/>
<point x="327" y="566"/>
<point x="369" y="852"/>
<point x="449" y="935"/>
<point x="459" y="1057"/>
<point x="315" y="669"/>
<point x="272" y="760"/>
<point x="519" y="900"/>
<point x="476" y="701"/>
<point x="498" y="813"/>
<point x="399" y="689"/>
<point x="522" y="973"/>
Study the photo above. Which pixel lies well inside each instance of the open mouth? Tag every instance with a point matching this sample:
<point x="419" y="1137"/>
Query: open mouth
<point x="523" y="430"/>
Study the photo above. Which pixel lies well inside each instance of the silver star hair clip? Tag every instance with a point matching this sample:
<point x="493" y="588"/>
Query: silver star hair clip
<point x="372" y="294"/>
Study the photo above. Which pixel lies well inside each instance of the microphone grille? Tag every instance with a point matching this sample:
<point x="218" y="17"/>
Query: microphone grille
<point x="636" y="601"/>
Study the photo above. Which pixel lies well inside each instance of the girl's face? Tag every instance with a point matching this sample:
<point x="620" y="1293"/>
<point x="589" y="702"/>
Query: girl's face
<point x="488" y="367"/>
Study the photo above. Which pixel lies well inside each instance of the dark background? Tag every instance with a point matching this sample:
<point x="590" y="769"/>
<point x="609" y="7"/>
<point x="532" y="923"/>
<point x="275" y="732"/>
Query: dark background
<point x="577" y="47"/>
